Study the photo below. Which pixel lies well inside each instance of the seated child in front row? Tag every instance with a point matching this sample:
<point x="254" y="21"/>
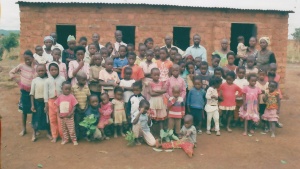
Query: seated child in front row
<point x="66" y="103"/>
<point x="106" y="110"/>
<point x="141" y="124"/>
<point x="188" y="142"/>
<point x="119" y="115"/>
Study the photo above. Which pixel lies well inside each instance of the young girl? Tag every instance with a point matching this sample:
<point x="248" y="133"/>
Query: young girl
<point x="126" y="84"/>
<point x="147" y="66"/>
<point x="142" y="123"/>
<point x="149" y="43"/>
<point x="241" y="82"/>
<point x="250" y="65"/>
<point x="183" y="71"/>
<point x="106" y="109"/>
<point x="157" y="108"/>
<point x="104" y="54"/>
<point x="95" y="69"/>
<point x="249" y="111"/>
<point x="109" y="48"/>
<point x="108" y="78"/>
<point x="164" y="65"/>
<point x="27" y="73"/>
<point x="48" y="42"/>
<point x="82" y="41"/>
<point x="230" y="66"/>
<point x="52" y="89"/>
<point x="190" y="67"/>
<point x="227" y="92"/>
<point x="263" y="85"/>
<point x="66" y="103"/>
<point x="119" y="111"/>
<point x="211" y="106"/>
<point x="91" y="52"/>
<point x="93" y="108"/>
<point x="68" y="54"/>
<point x="78" y="65"/>
<point x="39" y="117"/>
<point x="56" y="53"/>
<point x="175" y="80"/>
<point x="121" y="61"/>
<point x="272" y="100"/>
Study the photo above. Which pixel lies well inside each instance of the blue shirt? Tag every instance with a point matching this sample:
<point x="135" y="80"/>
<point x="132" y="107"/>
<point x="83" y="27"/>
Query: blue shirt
<point x="95" y="111"/>
<point x="184" y="77"/>
<point x="196" y="98"/>
<point x="119" y="63"/>
<point x="197" y="52"/>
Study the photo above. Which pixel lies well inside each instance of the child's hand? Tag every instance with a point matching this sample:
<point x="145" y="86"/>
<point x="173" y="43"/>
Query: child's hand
<point x="278" y="111"/>
<point x="214" y="97"/>
<point x="142" y="110"/>
<point x="245" y="107"/>
<point x="46" y="108"/>
<point x="33" y="109"/>
<point x="81" y="63"/>
<point x="16" y="80"/>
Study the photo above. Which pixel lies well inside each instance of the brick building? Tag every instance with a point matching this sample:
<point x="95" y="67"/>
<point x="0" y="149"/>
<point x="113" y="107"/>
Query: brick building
<point x="138" y="19"/>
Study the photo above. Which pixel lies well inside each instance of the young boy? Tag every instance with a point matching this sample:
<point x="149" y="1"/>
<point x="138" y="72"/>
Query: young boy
<point x="81" y="92"/>
<point x="156" y="53"/>
<point x="177" y="58"/>
<point x="250" y="66"/>
<point x="137" y="71"/>
<point x="215" y="61"/>
<point x="38" y="56"/>
<point x="173" y="53"/>
<point x="121" y="61"/>
<point x="126" y="84"/>
<point x="197" y="61"/>
<point x="66" y="103"/>
<point x="175" y="80"/>
<point x="142" y="51"/>
<point x="130" y="47"/>
<point x="134" y="100"/>
<point x="104" y="55"/>
<point x="205" y="77"/>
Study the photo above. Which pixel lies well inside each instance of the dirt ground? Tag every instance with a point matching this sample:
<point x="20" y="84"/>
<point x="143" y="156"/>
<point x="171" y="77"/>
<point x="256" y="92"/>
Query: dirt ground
<point x="231" y="150"/>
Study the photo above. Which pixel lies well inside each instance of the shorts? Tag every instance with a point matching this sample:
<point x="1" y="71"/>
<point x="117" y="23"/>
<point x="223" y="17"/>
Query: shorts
<point x="197" y="115"/>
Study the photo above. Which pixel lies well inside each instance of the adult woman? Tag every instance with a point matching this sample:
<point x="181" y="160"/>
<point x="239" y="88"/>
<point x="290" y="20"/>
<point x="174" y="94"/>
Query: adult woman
<point x="251" y="51"/>
<point x="48" y="42"/>
<point x="223" y="52"/>
<point x="264" y="56"/>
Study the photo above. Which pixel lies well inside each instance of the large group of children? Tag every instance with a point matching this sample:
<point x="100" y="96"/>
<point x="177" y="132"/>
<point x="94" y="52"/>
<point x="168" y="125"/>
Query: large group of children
<point x="119" y="87"/>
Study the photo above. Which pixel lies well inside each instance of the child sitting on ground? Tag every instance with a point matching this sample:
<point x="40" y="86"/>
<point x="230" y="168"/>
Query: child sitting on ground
<point x="119" y="115"/>
<point x="106" y="110"/>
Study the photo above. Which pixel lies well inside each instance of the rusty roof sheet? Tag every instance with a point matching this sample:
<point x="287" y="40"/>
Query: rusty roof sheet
<point x="262" y="5"/>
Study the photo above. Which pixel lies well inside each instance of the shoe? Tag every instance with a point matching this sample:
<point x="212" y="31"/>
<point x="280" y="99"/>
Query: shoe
<point x="218" y="133"/>
<point x="208" y="132"/>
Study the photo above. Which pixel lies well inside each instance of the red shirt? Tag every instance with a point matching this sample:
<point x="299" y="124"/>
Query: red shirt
<point x="228" y="93"/>
<point x="66" y="103"/>
<point x="137" y="72"/>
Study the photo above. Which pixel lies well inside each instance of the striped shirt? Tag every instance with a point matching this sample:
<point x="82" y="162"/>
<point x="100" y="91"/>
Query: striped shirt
<point x="81" y="95"/>
<point x="94" y="78"/>
<point x="52" y="87"/>
<point x="27" y="73"/>
<point x="176" y="108"/>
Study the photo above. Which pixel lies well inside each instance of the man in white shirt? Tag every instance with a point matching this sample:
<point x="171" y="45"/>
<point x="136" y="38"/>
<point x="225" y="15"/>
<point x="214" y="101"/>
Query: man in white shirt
<point x="119" y="42"/>
<point x="168" y="42"/>
<point x="197" y="50"/>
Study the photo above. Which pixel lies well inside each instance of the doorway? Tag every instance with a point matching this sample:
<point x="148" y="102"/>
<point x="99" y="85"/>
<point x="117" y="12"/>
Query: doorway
<point x="181" y="37"/>
<point x="128" y="33"/>
<point x="63" y="31"/>
<point x="241" y="29"/>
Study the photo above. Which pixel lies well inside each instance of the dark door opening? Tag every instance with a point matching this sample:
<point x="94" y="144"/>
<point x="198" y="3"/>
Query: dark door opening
<point x="63" y="31"/>
<point x="241" y="29"/>
<point x="181" y="37"/>
<point x="128" y="33"/>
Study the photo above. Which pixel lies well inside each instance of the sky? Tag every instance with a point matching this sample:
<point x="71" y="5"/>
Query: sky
<point x="10" y="20"/>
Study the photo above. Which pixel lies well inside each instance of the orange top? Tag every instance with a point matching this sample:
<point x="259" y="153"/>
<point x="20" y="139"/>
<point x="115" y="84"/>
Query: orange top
<point x="272" y="100"/>
<point x="164" y="68"/>
<point x="137" y="72"/>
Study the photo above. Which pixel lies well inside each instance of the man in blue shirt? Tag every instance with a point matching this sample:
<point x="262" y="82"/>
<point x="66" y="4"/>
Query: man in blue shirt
<point x="197" y="50"/>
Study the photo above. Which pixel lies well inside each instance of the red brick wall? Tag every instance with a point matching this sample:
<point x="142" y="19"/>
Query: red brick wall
<point x="151" y="21"/>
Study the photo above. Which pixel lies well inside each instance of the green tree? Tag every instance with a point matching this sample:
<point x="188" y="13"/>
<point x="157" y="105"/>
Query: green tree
<point x="10" y="41"/>
<point x="296" y="34"/>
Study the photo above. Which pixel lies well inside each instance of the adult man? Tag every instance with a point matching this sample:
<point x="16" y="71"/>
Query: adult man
<point x="197" y="50"/>
<point x="95" y="39"/>
<point x="223" y="52"/>
<point x="55" y="44"/>
<point x="168" y="42"/>
<point x="119" y="42"/>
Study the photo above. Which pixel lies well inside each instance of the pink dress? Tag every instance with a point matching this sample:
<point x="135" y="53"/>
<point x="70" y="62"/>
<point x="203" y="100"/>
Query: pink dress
<point x="105" y="114"/>
<point x="157" y="106"/>
<point x="252" y="103"/>
<point x="228" y="93"/>
<point x="147" y="69"/>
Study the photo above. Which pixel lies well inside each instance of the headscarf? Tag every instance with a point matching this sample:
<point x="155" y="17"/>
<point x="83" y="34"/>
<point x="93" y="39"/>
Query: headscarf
<point x="70" y="38"/>
<point x="267" y="39"/>
<point x="48" y="38"/>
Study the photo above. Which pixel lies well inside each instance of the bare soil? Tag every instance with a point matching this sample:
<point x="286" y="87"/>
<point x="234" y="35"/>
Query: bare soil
<point x="231" y="150"/>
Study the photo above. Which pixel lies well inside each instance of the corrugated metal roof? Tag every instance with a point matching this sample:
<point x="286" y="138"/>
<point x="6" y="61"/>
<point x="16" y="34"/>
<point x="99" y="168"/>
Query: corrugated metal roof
<point x="265" y="5"/>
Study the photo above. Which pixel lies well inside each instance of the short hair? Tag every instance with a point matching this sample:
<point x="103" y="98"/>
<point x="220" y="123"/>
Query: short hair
<point x="240" y="68"/>
<point x="148" y="40"/>
<point x="251" y="75"/>
<point x="213" y="56"/>
<point x="56" y="49"/>
<point x="103" y="49"/>
<point x="81" y="75"/>
<point x="118" y="89"/>
<point x="138" y="84"/>
<point x="65" y="83"/>
<point x="273" y="82"/>
<point x="230" y="74"/>
<point x="230" y="53"/>
<point x="141" y="44"/>
<point x="131" y="54"/>
<point x="214" y="81"/>
<point x="104" y="94"/>
<point x="123" y="46"/>
<point x="174" y="48"/>
<point x="144" y="103"/>
<point x="165" y="49"/>
<point x="78" y="48"/>
<point x="53" y="64"/>
<point x="197" y="78"/>
<point x="204" y="63"/>
<point x="181" y="62"/>
<point x="28" y="53"/>
<point x="38" y="46"/>
<point x="198" y="57"/>
<point x="219" y="69"/>
<point x="91" y="44"/>
<point x="83" y="38"/>
<point x="127" y="69"/>
<point x="154" y="69"/>
<point x="130" y="44"/>
<point x="240" y="38"/>
<point x="92" y="95"/>
<point x="108" y="44"/>
<point x="188" y="64"/>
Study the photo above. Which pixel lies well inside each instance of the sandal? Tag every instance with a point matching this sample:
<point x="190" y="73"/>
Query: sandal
<point x="199" y="131"/>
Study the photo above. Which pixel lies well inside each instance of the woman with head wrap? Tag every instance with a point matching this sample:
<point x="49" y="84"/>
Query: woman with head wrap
<point x="265" y="56"/>
<point x="48" y="42"/>
<point x="68" y="54"/>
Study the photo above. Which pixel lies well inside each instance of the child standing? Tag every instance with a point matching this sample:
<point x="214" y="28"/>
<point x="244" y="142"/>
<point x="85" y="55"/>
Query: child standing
<point x="121" y="61"/>
<point x="130" y="47"/>
<point x="177" y="59"/>
<point x="126" y="84"/>
<point x="227" y="92"/>
<point x="81" y="92"/>
<point x="250" y="66"/>
<point x="198" y="61"/>
<point x="142" y="54"/>
<point x="164" y="65"/>
<point x="39" y="117"/>
<point x="93" y="109"/>
<point x="68" y="54"/>
<point x="158" y="110"/>
<point x="76" y="65"/>
<point x="272" y="100"/>
<point x="190" y="67"/>
<point x="27" y="73"/>
<point x="104" y="54"/>
<point x="38" y="56"/>
<point x="230" y="66"/>
<point x="211" y="106"/>
<point x="119" y="111"/>
<point x="135" y="99"/>
<point x="263" y="85"/>
<point x="137" y="71"/>
<point x="175" y="80"/>
<point x="66" y="103"/>
<point x="156" y="53"/>
<point x="56" y="54"/>
<point x="95" y="68"/>
<point x="108" y="78"/>
<point x="196" y="102"/>
<point x="183" y="71"/>
<point x="219" y="72"/>
<point x="204" y="75"/>
<point x="241" y="48"/>
<point x="48" y="42"/>
<point x="92" y="49"/>
<point x="215" y="61"/>
<point x="142" y="123"/>
<point x="82" y="41"/>
<point x="249" y="111"/>
<point x="52" y="89"/>
<point x="106" y="109"/>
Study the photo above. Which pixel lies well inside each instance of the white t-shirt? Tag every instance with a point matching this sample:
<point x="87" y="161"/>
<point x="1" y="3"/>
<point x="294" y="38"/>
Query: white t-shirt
<point x="127" y="83"/>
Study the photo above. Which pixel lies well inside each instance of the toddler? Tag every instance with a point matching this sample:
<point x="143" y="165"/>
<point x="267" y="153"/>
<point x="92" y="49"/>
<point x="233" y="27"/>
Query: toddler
<point x="263" y="85"/>
<point x="106" y="110"/>
<point x="175" y="80"/>
<point x="250" y="68"/>
<point x="119" y="111"/>
<point x="241" y="48"/>
<point x="93" y="108"/>
<point x="38" y="56"/>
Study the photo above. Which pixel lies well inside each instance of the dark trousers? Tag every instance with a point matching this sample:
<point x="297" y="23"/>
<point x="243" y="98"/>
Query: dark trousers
<point x="78" y="117"/>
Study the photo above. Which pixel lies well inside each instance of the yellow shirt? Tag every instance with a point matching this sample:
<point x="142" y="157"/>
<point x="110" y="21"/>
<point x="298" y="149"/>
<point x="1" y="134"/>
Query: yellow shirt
<point x="81" y="95"/>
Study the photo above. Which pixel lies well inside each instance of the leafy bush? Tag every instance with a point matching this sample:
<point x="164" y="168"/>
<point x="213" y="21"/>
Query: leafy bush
<point x="296" y="34"/>
<point x="10" y="41"/>
<point x="89" y="123"/>
<point x="130" y="138"/>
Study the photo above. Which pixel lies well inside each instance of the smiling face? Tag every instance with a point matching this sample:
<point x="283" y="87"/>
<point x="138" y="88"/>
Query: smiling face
<point x="28" y="60"/>
<point x="82" y="43"/>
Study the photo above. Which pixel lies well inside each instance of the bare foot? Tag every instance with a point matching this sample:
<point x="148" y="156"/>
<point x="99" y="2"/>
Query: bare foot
<point x="115" y="135"/>
<point x="245" y="134"/>
<point x="229" y="130"/>
<point x="38" y="133"/>
<point x="75" y="143"/>
<point x="64" y="142"/>
<point x="252" y="131"/>
<point x="22" y="133"/>
<point x="54" y="140"/>
<point x="123" y="135"/>
<point x="49" y="137"/>
<point x="33" y="139"/>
